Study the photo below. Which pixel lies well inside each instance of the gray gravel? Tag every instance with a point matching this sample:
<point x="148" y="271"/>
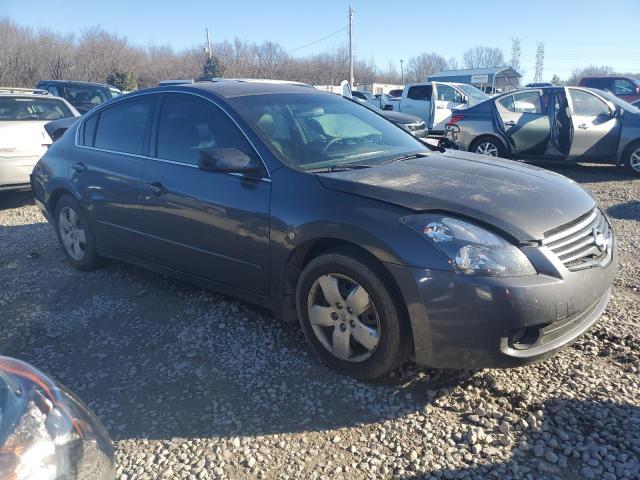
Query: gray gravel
<point x="194" y="385"/>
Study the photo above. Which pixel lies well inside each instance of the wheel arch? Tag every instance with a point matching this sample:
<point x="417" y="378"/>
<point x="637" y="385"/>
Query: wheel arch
<point x="488" y="136"/>
<point x="312" y="248"/>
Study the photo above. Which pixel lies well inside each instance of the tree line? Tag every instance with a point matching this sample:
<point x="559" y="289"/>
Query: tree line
<point x="28" y="55"/>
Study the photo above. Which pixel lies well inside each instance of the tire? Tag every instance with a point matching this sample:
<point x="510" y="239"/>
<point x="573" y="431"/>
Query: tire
<point x="326" y="335"/>
<point x="631" y="159"/>
<point x="487" y="144"/>
<point x="75" y="234"/>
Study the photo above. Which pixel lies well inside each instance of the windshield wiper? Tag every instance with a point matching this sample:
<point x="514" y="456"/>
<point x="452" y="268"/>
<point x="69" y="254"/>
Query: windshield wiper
<point x="337" y="168"/>
<point x="409" y="156"/>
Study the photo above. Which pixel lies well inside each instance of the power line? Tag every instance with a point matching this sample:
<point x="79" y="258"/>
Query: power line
<point x="319" y="40"/>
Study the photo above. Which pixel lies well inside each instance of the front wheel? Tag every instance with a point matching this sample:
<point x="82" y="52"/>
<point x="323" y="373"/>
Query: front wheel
<point x="487" y="146"/>
<point x="350" y="318"/>
<point x="632" y="160"/>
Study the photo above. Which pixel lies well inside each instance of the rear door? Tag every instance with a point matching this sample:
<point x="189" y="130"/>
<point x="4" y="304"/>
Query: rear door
<point x="595" y="129"/>
<point x="445" y="99"/>
<point x="524" y="119"/>
<point x="107" y="171"/>
<point x="416" y="100"/>
<point x="211" y="225"/>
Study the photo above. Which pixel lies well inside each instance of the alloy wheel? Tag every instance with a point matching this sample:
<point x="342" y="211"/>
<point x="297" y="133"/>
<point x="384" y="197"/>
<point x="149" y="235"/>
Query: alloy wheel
<point x="343" y="317"/>
<point x="487" y="148"/>
<point x="634" y="160"/>
<point x="72" y="233"/>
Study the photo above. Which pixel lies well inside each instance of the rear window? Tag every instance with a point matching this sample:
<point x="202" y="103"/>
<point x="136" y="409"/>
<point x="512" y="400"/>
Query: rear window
<point x="420" y="92"/>
<point x="599" y="83"/>
<point x="32" y="108"/>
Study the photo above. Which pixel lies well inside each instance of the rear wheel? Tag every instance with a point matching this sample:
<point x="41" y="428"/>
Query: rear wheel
<point x="349" y="316"/>
<point x="632" y="159"/>
<point x="487" y="146"/>
<point x="75" y="234"/>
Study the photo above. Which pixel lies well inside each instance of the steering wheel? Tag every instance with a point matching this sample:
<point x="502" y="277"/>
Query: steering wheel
<point x="330" y="144"/>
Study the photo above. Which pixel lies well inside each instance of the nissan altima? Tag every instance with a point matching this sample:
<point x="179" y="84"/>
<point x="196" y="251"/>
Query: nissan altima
<point x="384" y="249"/>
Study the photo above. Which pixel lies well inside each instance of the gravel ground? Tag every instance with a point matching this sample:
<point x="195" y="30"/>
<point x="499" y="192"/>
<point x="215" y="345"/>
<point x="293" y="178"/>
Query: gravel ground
<point x="194" y="385"/>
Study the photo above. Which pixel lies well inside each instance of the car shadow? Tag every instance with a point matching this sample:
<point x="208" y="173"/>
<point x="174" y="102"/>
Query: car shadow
<point x="15" y="199"/>
<point x="156" y="358"/>
<point x="562" y="438"/>
<point x="625" y="211"/>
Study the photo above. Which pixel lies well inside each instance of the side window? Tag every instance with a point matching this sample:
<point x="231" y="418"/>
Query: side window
<point x="447" y="93"/>
<point x="189" y="124"/>
<point x="587" y="104"/>
<point x="527" y="102"/>
<point x="507" y="102"/>
<point x="89" y="130"/>
<point x="420" y="92"/>
<point x="122" y="128"/>
<point x="599" y="83"/>
<point x="622" y="86"/>
<point x="52" y="89"/>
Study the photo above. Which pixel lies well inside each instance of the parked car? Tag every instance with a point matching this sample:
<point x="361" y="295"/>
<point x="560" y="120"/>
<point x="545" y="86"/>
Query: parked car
<point x="572" y="123"/>
<point x="434" y="101"/>
<point x="383" y="248"/>
<point x="367" y="97"/>
<point x="82" y="95"/>
<point x="24" y="114"/>
<point x="414" y="125"/>
<point x="539" y="84"/>
<point x="626" y="88"/>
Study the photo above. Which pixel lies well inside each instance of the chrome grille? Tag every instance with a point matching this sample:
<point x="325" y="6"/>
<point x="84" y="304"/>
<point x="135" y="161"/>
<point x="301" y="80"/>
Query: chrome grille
<point x="583" y="243"/>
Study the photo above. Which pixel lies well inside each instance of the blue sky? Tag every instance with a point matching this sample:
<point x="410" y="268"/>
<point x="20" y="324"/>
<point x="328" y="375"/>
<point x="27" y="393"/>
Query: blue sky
<point x="576" y="33"/>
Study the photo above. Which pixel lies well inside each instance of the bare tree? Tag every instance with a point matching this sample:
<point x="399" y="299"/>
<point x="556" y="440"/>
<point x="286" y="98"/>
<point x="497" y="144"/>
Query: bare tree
<point x="590" y="71"/>
<point x="483" y="57"/>
<point x="423" y="65"/>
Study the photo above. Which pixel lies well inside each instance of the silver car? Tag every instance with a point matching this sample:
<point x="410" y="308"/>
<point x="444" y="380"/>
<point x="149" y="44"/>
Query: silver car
<point x="23" y="137"/>
<point x="573" y="123"/>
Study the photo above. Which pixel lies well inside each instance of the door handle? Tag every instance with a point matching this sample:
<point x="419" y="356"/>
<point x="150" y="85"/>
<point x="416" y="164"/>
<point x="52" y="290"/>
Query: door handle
<point x="583" y="126"/>
<point x="510" y="123"/>
<point x="79" y="167"/>
<point x="440" y="106"/>
<point x="157" y="188"/>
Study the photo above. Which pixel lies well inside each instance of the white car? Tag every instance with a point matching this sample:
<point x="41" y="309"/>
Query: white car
<point x="23" y="138"/>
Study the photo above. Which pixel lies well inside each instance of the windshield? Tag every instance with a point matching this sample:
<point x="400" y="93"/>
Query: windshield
<point x="86" y="94"/>
<point x="473" y="92"/>
<point x="314" y="130"/>
<point x="32" y="108"/>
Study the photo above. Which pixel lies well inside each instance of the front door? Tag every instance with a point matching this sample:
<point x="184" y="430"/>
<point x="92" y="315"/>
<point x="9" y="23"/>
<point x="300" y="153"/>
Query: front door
<point x="417" y="101"/>
<point x="524" y="119"/>
<point x="595" y="127"/>
<point x="212" y="225"/>
<point x="445" y="99"/>
<point x="107" y="172"/>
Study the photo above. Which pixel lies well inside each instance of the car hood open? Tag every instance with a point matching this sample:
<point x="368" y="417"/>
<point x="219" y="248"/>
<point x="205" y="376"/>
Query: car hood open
<point x="521" y="200"/>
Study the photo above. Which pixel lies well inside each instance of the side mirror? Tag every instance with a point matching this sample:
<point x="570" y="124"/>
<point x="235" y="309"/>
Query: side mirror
<point x="226" y="160"/>
<point x="387" y="107"/>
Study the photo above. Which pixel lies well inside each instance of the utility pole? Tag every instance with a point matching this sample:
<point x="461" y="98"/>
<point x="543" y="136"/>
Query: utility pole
<point x="351" y="10"/>
<point x="539" y="62"/>
<point x="402" y="71"/>
<point x="208" y="47"/>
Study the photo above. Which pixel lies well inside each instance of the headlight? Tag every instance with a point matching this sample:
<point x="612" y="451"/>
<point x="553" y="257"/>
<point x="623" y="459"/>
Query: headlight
<point x="471" y="249"/>
<point x="46" y="433"/>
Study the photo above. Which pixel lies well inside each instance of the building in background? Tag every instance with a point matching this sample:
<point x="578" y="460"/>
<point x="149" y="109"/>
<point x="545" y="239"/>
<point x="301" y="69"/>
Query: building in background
<point x="490" y="80"/>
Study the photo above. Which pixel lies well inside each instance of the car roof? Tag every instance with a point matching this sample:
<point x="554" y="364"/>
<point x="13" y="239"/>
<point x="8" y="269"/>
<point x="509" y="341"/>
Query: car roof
<point x="78" y="82"/>
<point x="231" y="88"/>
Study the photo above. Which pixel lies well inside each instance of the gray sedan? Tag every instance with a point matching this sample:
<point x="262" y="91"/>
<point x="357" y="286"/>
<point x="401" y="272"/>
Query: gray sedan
<point x="572" y="123"/>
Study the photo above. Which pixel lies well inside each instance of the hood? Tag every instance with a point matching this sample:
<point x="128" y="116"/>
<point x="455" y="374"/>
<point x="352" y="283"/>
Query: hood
<point x="397" y="117"/>
<point x="519" y="199"/>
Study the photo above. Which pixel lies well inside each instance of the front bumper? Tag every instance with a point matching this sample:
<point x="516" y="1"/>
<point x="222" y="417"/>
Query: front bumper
<point x="467" y="322"/>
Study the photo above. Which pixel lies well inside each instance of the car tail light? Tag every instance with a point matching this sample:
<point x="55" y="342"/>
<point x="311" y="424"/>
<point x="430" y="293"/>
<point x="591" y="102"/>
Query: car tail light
<point x="455" y="119"/>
